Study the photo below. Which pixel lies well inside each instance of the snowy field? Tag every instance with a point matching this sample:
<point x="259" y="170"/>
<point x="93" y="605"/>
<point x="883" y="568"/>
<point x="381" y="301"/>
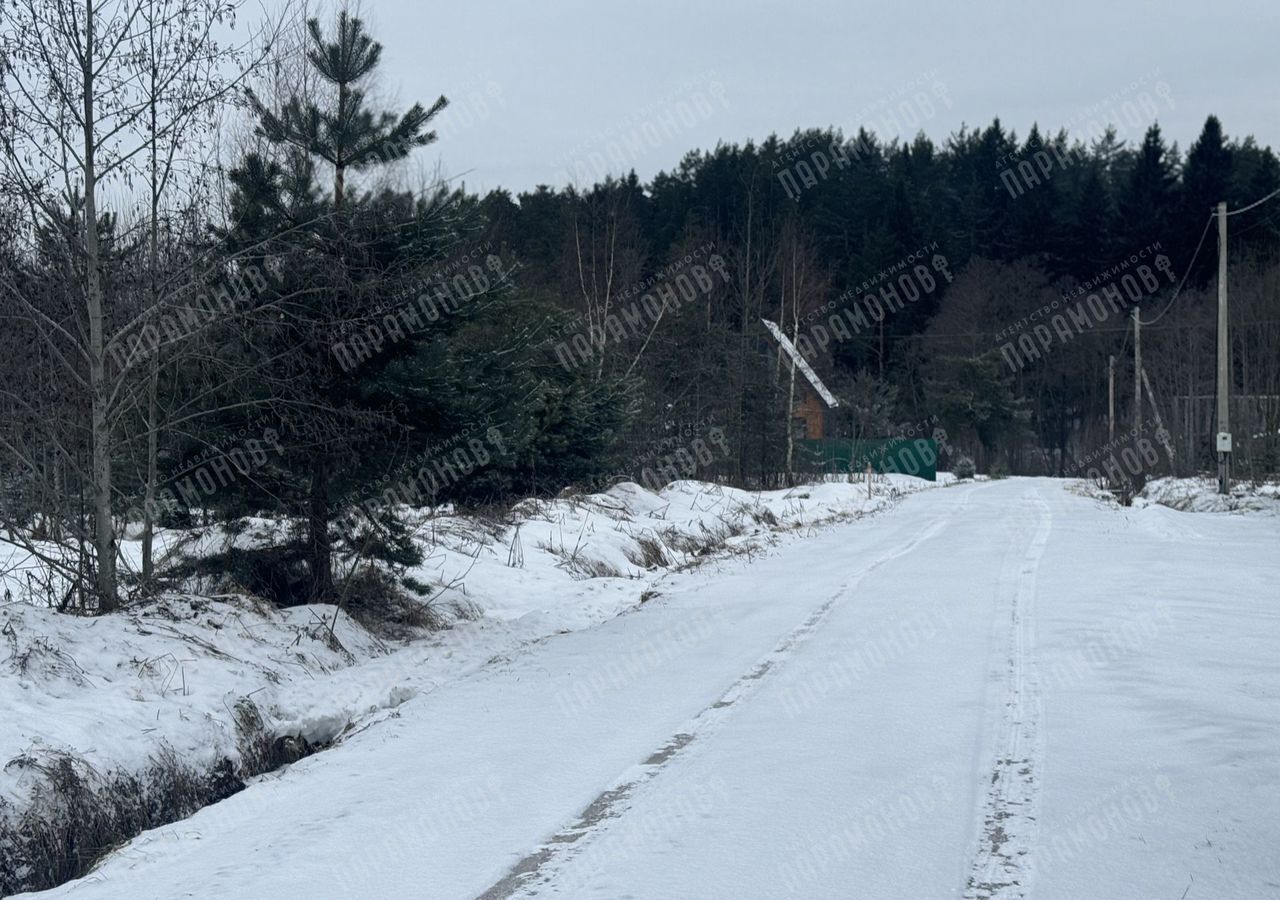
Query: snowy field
<point x="994" y="690"/>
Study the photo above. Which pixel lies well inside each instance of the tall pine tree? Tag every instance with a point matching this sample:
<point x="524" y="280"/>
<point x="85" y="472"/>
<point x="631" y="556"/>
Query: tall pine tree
<point x="347" y="135"/>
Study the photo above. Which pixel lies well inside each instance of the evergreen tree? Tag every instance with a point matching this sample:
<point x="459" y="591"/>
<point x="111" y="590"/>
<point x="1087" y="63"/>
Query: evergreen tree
<point x="1089" y="242"/>
<point x="1206" y="180"/>
<point x="346" y="134"/>
<point x="1148" y="198"/>
<point x="1255" y="173"/>
<point x="1034" y="224"/>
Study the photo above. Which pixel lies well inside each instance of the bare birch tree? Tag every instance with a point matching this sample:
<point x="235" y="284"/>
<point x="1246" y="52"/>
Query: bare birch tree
<point x="94" y="94"/>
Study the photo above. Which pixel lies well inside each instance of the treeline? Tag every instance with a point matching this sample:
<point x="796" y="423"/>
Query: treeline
<point x="985" y="281"/>
<point x="286" y="331"/>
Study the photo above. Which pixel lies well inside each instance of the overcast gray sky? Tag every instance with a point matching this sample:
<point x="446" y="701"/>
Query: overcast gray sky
<point x="545" y="92"/>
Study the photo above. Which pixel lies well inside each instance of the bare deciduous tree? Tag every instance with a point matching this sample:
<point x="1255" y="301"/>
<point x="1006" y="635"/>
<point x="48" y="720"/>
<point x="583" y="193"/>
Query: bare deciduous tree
<point x="94" y="94"/>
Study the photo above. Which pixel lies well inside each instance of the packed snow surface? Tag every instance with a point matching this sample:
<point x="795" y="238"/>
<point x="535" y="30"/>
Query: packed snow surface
<point x="114" y="690"/>
<point x="992" y="690"/>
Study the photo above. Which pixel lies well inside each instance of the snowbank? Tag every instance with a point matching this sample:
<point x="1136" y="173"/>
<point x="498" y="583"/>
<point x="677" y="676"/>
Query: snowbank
<point x="1201" y="495"/>
<point x="117" y="690"/>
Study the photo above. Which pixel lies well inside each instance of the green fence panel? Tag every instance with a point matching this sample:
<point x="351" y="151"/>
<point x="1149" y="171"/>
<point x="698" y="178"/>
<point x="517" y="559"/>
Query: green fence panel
<point x="905" y="456"/>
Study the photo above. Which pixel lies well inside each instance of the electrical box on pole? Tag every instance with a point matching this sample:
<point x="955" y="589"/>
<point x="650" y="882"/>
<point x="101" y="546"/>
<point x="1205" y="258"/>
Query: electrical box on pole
<point x="1224" y="361"/>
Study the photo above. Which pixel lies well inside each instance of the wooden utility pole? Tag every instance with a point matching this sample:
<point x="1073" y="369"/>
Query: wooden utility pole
<point x="1111" y="398"/>
<point x="1223" y="441"/>
<point x="1137" y="371"/>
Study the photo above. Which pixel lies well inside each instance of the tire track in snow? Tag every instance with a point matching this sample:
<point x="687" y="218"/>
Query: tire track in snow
<point x="539" y="868"/>
<point x="1003" y="862"/>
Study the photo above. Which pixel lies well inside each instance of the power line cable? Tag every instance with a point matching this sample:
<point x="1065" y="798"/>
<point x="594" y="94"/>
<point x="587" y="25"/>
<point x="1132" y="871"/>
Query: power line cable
<point x="1184" y="274"/>
<point x="1213" y="215"/>
<point x="1201" y="243"/>
<point x="1236" y="212"/>
<point x="1269" y="220"/>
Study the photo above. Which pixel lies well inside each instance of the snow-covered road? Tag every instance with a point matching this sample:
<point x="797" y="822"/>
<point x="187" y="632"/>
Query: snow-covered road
<point x="991" y="691"/>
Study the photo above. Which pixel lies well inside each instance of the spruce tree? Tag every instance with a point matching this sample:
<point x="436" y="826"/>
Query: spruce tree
<point x="1089" y="243"/>
<point x="1206" y="180"/>
<point x="1148" y="197"/>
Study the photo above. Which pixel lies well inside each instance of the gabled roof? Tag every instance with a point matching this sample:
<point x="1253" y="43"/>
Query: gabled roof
<point x="801" y="364"/>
